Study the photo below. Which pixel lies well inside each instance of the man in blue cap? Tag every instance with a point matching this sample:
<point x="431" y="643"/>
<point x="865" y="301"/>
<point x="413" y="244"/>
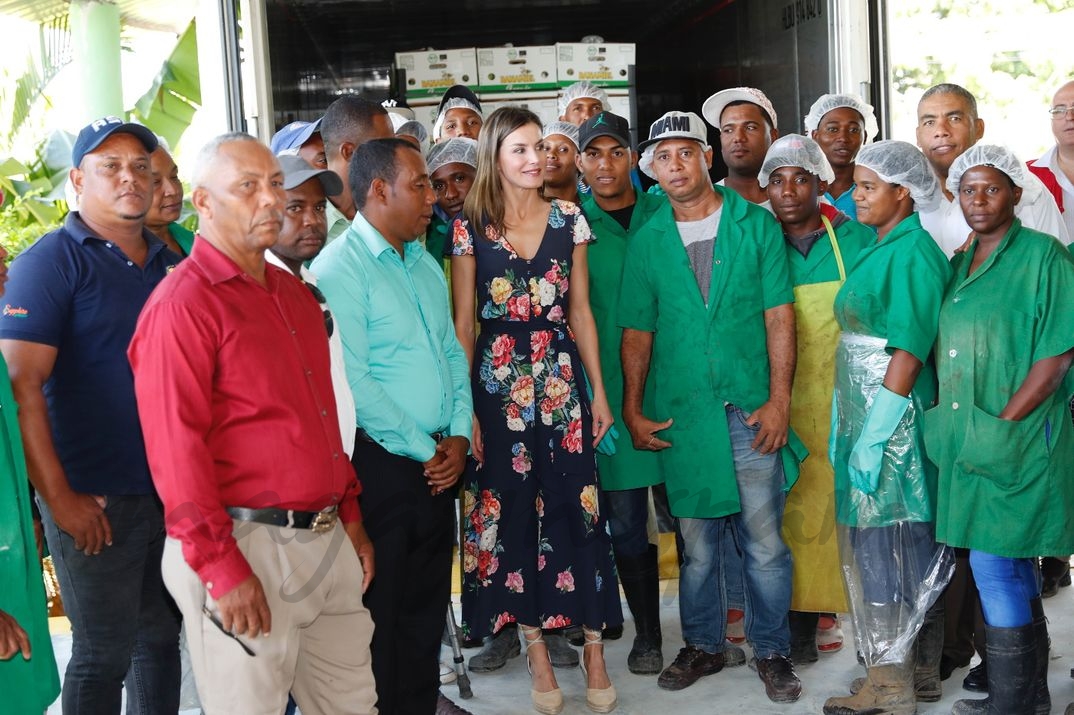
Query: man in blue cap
<point x="73" y="300"/>
<point x="302" y="139"/>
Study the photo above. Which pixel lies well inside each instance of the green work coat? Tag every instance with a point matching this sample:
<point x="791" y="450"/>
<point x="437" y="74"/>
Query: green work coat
<point x="707" y="355"/>
<point x="628" y="468"/>
<point x="25" y="686"/>
<point x="1005" y="487"/>
<point x="436" y="239"/>
<point x="183" y="236"/>
<point x="894" y="292"/>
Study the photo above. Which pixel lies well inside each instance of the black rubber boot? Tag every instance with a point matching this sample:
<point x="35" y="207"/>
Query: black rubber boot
<point x="803" y="637"/>
<point x="640" y="576"/>
<point x="929" y="649"/>
<point x="1012" y="674"/>
<point x="1043" y="700"/>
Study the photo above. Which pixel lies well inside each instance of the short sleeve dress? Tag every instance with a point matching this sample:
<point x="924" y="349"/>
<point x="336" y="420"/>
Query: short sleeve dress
<point x="536" y="547"/>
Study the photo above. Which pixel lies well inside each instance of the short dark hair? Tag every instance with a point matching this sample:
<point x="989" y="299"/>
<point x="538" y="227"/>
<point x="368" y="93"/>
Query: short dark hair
<point x="376" y="159"/>
<point x="347" y="119"/>
<point x="955" y="89"/>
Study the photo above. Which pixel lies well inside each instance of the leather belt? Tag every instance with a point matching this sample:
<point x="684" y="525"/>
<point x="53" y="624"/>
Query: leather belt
<point x="316" y="521"/>
<point x="366" y="437"/>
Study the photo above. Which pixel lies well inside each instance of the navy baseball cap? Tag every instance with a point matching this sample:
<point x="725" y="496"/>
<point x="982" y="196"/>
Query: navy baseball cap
<point x="604" y="124"/>
<point x="97" y="131"/>
<point x="294" y="135"/>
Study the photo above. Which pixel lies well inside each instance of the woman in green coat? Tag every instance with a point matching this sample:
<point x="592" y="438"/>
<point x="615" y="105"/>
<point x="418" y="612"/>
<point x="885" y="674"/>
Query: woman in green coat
<point x="29" y="681"/>
<point x="888" y="310"/>
<point x="1001" y="433"/>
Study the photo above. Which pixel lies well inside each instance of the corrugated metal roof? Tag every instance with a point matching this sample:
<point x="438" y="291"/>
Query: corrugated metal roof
<point x="163" y="15"/>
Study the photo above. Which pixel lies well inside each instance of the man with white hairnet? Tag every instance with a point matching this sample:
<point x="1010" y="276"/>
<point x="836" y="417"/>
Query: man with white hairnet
<point x="706" y="300"/>
<point x="580" y="101"/>
<point x="459" y="114"/>
<point x="947" y="125"/>
<point x="822" y="243"/>
<point x="452" y="169"/>
<point x="841" y="124"/>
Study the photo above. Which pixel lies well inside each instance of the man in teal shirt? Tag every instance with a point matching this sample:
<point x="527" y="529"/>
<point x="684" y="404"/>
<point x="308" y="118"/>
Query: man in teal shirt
<point x="411" y="384"/>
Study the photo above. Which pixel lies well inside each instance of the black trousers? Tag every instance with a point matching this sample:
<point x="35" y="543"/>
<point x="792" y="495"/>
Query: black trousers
<point x="412" y="535"/>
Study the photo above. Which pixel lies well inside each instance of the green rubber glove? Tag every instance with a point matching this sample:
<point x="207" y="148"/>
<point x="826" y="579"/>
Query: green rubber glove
<point x="606" y="446"/>
<point x="868" y="453"/>
<point x="832" y="430"/>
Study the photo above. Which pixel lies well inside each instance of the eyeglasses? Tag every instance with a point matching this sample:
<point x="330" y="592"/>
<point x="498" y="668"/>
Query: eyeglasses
<point x="329" y="323"/>
<point x="1060" y="111"/>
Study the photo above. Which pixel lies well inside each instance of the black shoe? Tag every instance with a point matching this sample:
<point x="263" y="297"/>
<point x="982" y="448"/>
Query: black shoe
<point x="496" y="651"/>
<point x="559" y="651"/>
<point x="949" y="665"/>
<point x="976" y="681"/>
<point x="781" y="683"/>
<point x="690" y="665"/>
<point x="445" y="706"/>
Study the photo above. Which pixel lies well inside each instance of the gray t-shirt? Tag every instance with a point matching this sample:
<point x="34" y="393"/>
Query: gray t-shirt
<point x="699" y="239"/>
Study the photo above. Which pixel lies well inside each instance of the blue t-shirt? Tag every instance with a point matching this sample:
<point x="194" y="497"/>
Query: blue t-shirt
<point x="79" y="293"/>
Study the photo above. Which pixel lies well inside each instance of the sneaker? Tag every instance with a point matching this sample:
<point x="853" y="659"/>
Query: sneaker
<point x="781" y="684"/>
<point x="496" y="651"/>
<point x="559" y="650"/>
<point x="447" y="673"/>
<point x="736" y="626"/>
<point x="690" y="665"/>
<point x="829" y="634"/>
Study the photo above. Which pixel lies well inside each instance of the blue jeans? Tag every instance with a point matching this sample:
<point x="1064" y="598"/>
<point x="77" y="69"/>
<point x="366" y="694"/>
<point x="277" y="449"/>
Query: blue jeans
<point x="767" y="560"/>
<point x="124" y="625"/>
<point x="628" y="519"/>
<point x="893" y="560"/>
<point x="1006" y="586"/>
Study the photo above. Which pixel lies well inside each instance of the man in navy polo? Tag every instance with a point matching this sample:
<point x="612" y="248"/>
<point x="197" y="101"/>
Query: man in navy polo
<point x="72" y="302"/>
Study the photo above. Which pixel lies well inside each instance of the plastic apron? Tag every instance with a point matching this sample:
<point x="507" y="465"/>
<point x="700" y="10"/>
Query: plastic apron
<point x="893" y="568"/>
<point x="809" y="516"/>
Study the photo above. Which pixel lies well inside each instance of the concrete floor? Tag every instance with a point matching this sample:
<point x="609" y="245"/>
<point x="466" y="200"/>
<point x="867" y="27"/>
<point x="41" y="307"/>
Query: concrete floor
<point x="733" y="691"/>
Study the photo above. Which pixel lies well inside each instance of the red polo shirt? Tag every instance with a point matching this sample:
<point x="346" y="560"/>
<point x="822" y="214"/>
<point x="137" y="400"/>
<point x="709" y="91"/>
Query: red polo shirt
<point x="235" y="397"/>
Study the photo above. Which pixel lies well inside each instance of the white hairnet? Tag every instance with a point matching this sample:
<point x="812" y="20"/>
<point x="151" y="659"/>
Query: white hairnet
<point x="997" y="157"/>
<point x="828" y="102"/>
<point x="796" y="150"/>
<point x="457" y="150"/>
<point x="565" y="128"/>
<point x="453" y="103"/>
<point x="413" y="128"/>
<point x="902" y="163"/>
<point x="580" y="90"/>
<point x="645" y="162"/>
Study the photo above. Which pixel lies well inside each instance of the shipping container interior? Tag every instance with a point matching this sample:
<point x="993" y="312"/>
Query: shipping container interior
<point x="794" y="50"/>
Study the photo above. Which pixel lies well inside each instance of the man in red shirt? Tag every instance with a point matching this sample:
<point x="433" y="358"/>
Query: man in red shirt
<point x="232" y="376"/>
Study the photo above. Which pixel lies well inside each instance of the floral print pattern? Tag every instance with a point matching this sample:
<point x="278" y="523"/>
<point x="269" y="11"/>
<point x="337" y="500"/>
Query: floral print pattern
<point x="530" y="566"/>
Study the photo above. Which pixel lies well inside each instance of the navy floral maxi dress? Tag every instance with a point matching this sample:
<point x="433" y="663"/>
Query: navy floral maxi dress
<point x="536" y="548"/>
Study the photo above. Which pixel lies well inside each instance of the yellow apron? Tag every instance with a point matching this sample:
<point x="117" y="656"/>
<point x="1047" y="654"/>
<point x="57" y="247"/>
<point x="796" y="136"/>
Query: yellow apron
<point x="809" y="518"/>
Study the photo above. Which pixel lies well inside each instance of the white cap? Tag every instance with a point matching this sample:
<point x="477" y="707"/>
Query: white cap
<point x="673" y="125"/>
<point x="828" y="102"/>
<point x="796" y="150"/>
<point x="713" y="107"/>
<point x="903" y="163"/>
<point x="996" y="157"/>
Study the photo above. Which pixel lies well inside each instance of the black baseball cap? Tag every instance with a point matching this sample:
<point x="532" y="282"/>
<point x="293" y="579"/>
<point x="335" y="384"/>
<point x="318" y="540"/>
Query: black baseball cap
<point x="94" y="133"/>
<point x="604" y="124"/>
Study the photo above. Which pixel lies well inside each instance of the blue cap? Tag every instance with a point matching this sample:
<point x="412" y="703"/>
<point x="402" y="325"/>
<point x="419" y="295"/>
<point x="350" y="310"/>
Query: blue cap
<point x="293" y="136"/>
<point x="97" y="131"/>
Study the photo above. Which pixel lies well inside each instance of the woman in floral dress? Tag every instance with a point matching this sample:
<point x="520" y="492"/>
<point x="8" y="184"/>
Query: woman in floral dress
<point x="536" y="550"/>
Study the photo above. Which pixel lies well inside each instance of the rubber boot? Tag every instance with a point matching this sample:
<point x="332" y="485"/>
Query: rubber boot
<point x="803" y="637"/>
<point x="1012" y="674"/>
<point x="640" y="578"/>
<point x="888" y="690"/>
<point x="1043" y="700"/>
<point x="929" y="650"/>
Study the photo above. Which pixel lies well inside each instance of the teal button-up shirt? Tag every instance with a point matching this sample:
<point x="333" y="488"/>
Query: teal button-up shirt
<point x="404" y="364"/>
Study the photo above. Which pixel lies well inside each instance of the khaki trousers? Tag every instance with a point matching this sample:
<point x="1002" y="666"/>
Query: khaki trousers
<point x="319" y="644"/>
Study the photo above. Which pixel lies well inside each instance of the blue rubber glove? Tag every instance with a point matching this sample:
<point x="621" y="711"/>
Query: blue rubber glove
<point x="606" y="446"/>
<point x="868" y="453"/>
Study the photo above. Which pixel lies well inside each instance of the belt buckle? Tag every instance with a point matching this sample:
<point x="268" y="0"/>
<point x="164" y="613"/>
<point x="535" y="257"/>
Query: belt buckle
<point x="324" y="521"/>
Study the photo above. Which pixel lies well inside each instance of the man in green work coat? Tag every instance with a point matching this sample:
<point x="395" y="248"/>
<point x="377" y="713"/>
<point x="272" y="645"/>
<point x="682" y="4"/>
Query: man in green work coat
<point x="616" y="212"/>
<point x="728" y="344"/>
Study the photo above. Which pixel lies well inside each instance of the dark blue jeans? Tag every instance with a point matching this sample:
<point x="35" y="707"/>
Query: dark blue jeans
<point x="628" y="518"/>
<point x="124" y="625"/>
